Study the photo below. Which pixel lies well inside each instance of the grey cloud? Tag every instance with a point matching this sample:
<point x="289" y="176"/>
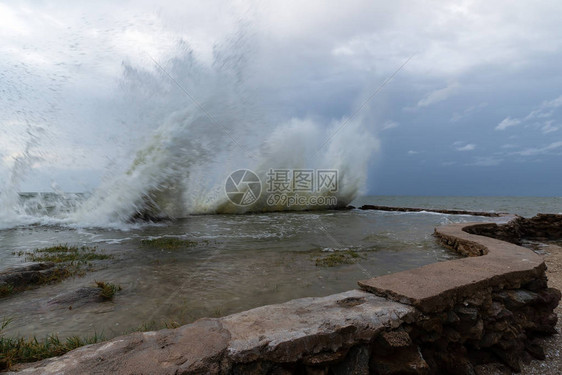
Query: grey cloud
<point x="457" y="116"/>
<point x="467" y="147"/>
<point x="63" y="66"/>
<point x="507" y="123"/>
<point x="438" y="95"/>
<point x="390" y="125"/>
<point x="486" y="161"/>
<point x="540" y="117"/>
<point x="540" y="150"/>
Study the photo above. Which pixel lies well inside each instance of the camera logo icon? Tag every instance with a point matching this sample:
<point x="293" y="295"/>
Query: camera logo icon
<point x="243" y="187"/>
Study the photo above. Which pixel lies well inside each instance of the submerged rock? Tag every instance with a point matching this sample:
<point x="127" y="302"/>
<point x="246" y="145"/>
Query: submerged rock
<point x="437" y="210"/>
<point x="77" y="298"/>
<point x="27" y="273"/>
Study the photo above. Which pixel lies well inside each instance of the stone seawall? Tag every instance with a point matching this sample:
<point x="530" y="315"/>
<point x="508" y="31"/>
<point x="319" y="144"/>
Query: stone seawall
<point x="447" y="317"/>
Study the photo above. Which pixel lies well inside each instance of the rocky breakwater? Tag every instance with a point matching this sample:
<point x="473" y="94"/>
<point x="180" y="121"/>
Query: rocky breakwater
<point x="543" y="227"/>
<point x="436" y="210"/>
<point x="489" y="307"/>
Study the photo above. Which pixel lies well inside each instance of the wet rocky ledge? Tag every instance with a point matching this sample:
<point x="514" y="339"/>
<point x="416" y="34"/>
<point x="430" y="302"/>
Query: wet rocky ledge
<point x="494" y="305"/>
<point x="26" y="274"/>
<point x="436" y="210"/>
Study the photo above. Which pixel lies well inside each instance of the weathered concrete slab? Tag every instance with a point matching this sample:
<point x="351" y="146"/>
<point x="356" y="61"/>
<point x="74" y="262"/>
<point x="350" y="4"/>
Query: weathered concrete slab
<point x="437" y="286"/>
<point x="310" y="330"/>
<point x="310" y="326"/>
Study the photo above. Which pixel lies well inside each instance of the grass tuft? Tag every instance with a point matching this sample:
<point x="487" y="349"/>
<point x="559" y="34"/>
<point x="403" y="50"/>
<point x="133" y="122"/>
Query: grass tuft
<point x="337" y="258"/>
<point x="66" y="254"/>
<point x="21" y="350"/>
<point x="108" y="290"/>
<point x="169" y="243"/>
<point x="70" y="261"/>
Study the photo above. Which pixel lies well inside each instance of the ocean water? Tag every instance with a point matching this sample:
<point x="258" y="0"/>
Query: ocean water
<point x="239" y="262"/>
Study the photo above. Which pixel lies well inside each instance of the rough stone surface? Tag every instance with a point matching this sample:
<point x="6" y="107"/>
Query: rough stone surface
<point x="306" y="334"/>
<point x="26" y="273"/>
<point x="310" y="326"/>
<point x="540" y="227"/>
<point x="77" y="298"/>
<point x="502" y="264"/>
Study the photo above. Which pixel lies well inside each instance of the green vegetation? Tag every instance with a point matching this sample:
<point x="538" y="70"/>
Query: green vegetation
<point x="65" y="254"/>
<point x="108" y="290"/>
<point x="70" y="261"/>
<point x="21" y="350"/>
<point x="169" y="243"/>
<point x="337" y="258"/>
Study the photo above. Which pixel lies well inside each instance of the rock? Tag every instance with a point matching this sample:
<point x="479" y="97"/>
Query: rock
<point x="388" y="342"/>
<point x="395" y="353"/>
<point x="454" y="360"/>
<point x="475" y="332"/>
<point x="508" y="357"/>
<point x="325" y="358"/>
<point x="77" y="298"/>
<point x="255" y="368"/>
<point x="452" y="317"/>
<point x="433" y="328"/>
<point x="495" y="310"/>
<point x="480" y="300"/>
<point x="356" y="362"/>
<point x="514" y="299"/>
<point x="536" y="285"/>
<point x="193" y="349"/>
<point x="467" y="313"/>
<point x="546" y="323"/>
<point x="540" y="227"/>
<point x="535" y="349"/>
<point x="550" y="297"/>
<point x="490" y="339"/>
<point x="27" y="266"/>
<point x="452" y="335"/>
<point x="404" y="360"/>
<point x="26" y="273"/>
<point x="308" y="326"/>
<point x="442" y="211"/>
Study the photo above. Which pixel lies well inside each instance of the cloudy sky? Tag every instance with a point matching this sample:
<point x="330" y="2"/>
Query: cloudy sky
<point x="476" y="110"/>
